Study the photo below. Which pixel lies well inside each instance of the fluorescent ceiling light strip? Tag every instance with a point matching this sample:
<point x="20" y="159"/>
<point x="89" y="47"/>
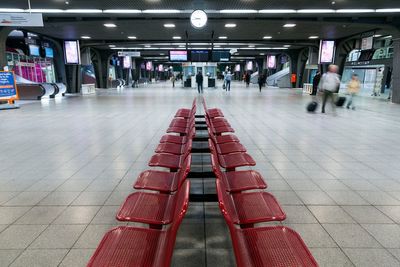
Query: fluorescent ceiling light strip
<point x="314" y="11"/>
<point x="161" y="11"/>
<point x="8" y="10"/>
<point x="276" y="11"/>
<point x="45" y="10"/>
<point x="84" y="11"/>
<point x="388" y="10"/>
<point x="355" y="11"/>
<point x="122" y="11"/>
<point x="237" y="11"/>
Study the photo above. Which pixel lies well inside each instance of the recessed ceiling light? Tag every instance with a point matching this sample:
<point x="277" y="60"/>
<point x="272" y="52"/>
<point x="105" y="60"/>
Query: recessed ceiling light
<point x="122" y="11"/>
<point x="252" y="46"/>
<point x="388" y="10"/>
<point x="86" y="37"/>
<point x="315" y="11"/>
<point x="45" y="10"/>
<point x="110" y="25"/>
<point x="147" y="46"/>
<point x="217" y="46"/>
<point x="11" y="10"/>
<point x="230" y="25"/>
<point x="223" y="37"/>
<point x="313" y="37"/>
<point x="276" y="11"/>
<point x="355" y="11"/>
<point x="161" y="11"/>
<point x="162" y="54"/>
<point x="176" y="37"/>
<point x="181" y="46"/>
<point x="387" y="37"/>
<point x="286" y="45"/>
<point x="267" y="37"/>
<point x="131" y="37"/>
<point x="289" y="25"/>
<point x="111" y="46"/>
<point x="238" y="11"/>
<point x="84" y="11"/>
<point x="262" y="54"/>
<point x="169" y="25"/>
<point x="377" y="35"/>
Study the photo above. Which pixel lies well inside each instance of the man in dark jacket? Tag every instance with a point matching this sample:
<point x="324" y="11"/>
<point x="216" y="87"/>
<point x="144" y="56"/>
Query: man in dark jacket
<point x="199" y="81"/>
<point x="316" y="80"/>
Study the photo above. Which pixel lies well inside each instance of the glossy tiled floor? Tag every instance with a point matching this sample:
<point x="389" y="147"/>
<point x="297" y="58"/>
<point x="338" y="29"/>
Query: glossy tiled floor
<point x="66" y="166"/>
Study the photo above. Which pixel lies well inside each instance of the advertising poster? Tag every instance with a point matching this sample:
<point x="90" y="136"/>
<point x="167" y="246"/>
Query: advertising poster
<point x="237" y="67"/>
<point x="271" y="62"/>
<point x="88" y="74"/>
<point x="8" y="88"/>
<point x="249" y="65"/>
<point x="127" y="62"/>
<point x="72" y="52"/>
<point x="149" y="65"/>
<point x="326" y="51"/>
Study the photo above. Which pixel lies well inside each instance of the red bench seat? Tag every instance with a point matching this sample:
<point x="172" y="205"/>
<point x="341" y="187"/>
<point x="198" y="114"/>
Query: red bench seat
<point x="128" y="246"/>
<point x="272" y="246"/>
<point x="249" y="208"/>
<point x="165" y="182"/>
<point x="151" y="208"/>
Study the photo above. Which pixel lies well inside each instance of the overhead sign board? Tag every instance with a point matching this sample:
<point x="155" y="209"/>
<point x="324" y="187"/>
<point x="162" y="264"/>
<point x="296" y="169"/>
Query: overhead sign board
<point x="367" y="43"/>
<point x="21" y="19"/>
<point x="128" y="54"/>
<point x="8" y="88"/>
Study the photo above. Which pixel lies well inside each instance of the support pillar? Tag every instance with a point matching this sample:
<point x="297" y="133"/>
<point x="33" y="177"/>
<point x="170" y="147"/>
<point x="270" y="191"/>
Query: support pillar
<point x="396" y="72"/>
<point x="4" y="32"/>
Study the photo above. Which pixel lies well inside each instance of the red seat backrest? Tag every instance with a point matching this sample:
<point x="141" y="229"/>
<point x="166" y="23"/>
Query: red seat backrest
<point x="226" y="204"/>
<point x="184" y="171"/>
<point x="181" y="206"/>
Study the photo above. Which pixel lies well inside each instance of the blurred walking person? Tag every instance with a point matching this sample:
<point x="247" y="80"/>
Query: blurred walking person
<point x="199" y="81"/>
<point x="353" y="88"/>
<point x="316" y="80"/>
<point x="247" y="79"/>
<point x="228" y="79"/>
<point x="173" y="79"/>
<point x="260" y="81"/>
<point x="329" y="84"/>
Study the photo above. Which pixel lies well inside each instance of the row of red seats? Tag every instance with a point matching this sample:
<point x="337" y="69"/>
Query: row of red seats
<point x="162" y="210"/>
<point x="242" y="209"/>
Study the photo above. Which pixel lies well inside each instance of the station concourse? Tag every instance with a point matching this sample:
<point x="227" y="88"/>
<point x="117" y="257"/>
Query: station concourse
<point x="182" y="133"/>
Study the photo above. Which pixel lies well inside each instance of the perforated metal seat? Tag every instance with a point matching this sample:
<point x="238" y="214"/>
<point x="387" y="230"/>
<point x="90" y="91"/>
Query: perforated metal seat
<point x="228" y="138"/>
<point x="238" y="181"/>
<point x="175" y="149"/>
<point x="127" y="246"/>
<point x="178" y="139"/>
<point x="228" y="147"/>
<point x="275" y="246"/>
<point x="165" y="182"/>
<point x="173" y="162"/>
<point x="249" y="208"/>
<point x="151" y="208"/>
<point x="185" y="112"/>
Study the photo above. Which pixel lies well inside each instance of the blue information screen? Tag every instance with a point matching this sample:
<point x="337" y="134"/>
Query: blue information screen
<point x="7" y="85"/>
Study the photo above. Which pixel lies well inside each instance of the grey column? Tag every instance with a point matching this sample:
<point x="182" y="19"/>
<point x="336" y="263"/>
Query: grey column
<point x="4" y="32"/>
<point x="396" y="72"/>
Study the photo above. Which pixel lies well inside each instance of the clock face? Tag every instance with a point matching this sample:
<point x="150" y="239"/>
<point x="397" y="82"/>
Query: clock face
<point x="198" y="19"/>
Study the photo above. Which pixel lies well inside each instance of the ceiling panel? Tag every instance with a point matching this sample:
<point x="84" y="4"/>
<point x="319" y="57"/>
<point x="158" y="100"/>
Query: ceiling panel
<point x="246" y="30"/>
<point x="198" y="4"/>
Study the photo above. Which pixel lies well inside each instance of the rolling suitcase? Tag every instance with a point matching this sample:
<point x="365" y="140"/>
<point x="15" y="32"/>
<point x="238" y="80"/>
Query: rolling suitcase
<point x="340" y="101"/>
<point x="311" y="107"/>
